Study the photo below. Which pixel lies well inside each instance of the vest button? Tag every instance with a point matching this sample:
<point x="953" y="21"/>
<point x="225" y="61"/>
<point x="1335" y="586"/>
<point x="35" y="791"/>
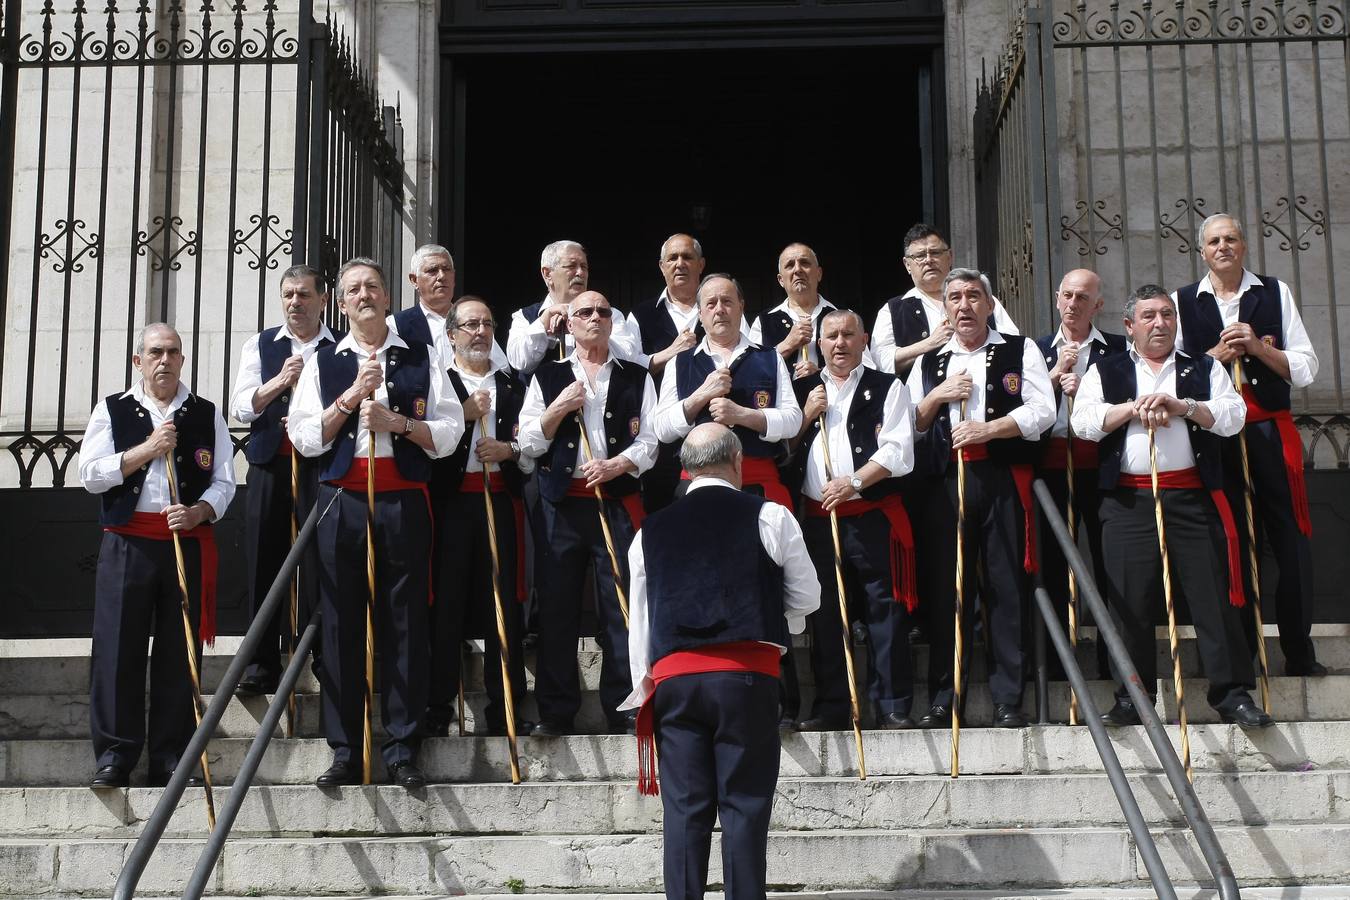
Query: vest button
<point x="285" y="398"/>
<point x="145" y="468"/>
<point x="567" y="469"/>
<point x="612" y="441"/>
<point x="1251" y="380"/>
<point x="351" y="435"/>
<point x="395" y="409"/>
<point x="990" y="410"/>
<point x="925" y="334"/>
<point x="571" y="446"/>
<point x="608" y="414"/>
<point x="136" y="490"/>
<point x="857" y="449"/>
<point x="390" y="385"/>
<point x="988" y="387"/>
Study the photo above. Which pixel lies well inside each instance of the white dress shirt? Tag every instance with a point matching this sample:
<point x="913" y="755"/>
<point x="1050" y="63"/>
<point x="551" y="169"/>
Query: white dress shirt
<point x="781" y="421"/>
<point x="101" y="462"/>
<point x="441" y="341"/>
<point x="883" y="332"/>
<point x="249" y="379"/>
<point x="642" y="452"/>
<point x="445" y="417"/>
<point x="485" y="427"/>
<point x="782" y="539"/>
<point x="683" y="321"/>
<point x="1080" y="368"/>
<point x="756" y="333"/>
<point x="1033" y="417"/>
<point x="895" y="441"/>
<point x="528" y="342"/>
<point x="1298" y="349"/>
<point x="1173" y="442"/>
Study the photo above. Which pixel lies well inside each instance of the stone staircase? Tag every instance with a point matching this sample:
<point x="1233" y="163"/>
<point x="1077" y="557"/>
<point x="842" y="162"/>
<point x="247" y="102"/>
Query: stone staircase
<point x="1031" y="816"/>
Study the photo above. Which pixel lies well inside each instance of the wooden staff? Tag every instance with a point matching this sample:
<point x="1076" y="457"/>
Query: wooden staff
<point x="604" y="527"/>
<point x="295" y="588"/>
<point x="1073" y="539"/>
<point x="1171" y="608"/>
<point x="958" y="645"/>
<point x="1252" y="562"/>
<point x="843" y="610"/>
<point x="191" y="642"/>
<point x="507" y="688"/>
<point x="369" y="699"/>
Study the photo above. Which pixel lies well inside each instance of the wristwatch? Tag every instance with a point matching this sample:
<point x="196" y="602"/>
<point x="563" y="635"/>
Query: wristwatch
<point x="1191" y="407"/>
<point x="515" y="449"/>
<point x="857" y="483"/>
<point x="407" y="424"/>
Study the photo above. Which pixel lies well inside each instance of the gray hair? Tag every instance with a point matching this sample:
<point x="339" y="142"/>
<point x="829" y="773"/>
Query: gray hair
<point x="421" y="254"/>
<point x="295" y="273"/>
<point x="699" y="454"/>
<point x="1200" y="232"/>
<point x="966" y="274"/>
<point x="155" y="326"/>
<point x="1146" y="292"/>
<point x="360" y="262"/>
<point x="553" y="253"/>
<point x="843" y="313"/>
<point x="698" y="248"/>
<point x="698" y="296"/>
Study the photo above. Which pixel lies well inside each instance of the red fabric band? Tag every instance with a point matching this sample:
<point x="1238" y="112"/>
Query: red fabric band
<point x="1292" y="445"/>
<point x="972" y="452"/>
<point x="1023" y="474"/>
<point x="1057" y="454"/>
<point x="155" y="527"/>
<point x="284" y="448"/>
<point x="472" y="482"/>
<point x="761" y="471"/>
<point x="903" y="579"/>
<point x="632" y="503"/>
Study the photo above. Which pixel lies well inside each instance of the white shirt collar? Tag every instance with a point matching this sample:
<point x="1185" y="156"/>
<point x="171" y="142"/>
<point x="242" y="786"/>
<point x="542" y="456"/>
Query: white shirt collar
<point x="954" y="346"/>
<point x="703" y="481"/>
<point x="138" y="392"/>
<point x="391" y="339"/>
<point x="1249" y="280"/>
<point x="1094" y="337"/>
<point x="705" y="347"/>
<point x="665" y="299"/>
<point x="915" y="292"/>
<point x="494" y="366"/>
<point x="822" y="304"/>
<point x="284" y="333"/>
<point x="849" y="381"/>
<point x="1137" y="359"/>
<point x="572" y="357"/>
<point x="429" y="312"/>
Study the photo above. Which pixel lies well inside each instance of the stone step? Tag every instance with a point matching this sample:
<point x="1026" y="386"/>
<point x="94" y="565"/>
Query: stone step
<point x="615" y="807"/>
<point x="1184" y="892"/>
<point x="858" y="859"/>
<point x="54" y="716"/>
<point x="1051" y="749"/>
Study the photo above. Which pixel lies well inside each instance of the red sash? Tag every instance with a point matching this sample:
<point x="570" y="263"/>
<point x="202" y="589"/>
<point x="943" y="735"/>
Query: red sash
<point x="737" y="656"/>
<point x="762" y="471"/>
<point x="632" y="503"/>
<point x="284" y="448"/>
<point x="1023" y="475"/>
<point x="388" y="478"/>
<point x="902" y="541"/>
<point x="473" y="484"/>
<point x="155" y="527"/>
<point x="1057" y="454"/>
<point x="1189" y="480"/>
<point x="1293" y="455"/>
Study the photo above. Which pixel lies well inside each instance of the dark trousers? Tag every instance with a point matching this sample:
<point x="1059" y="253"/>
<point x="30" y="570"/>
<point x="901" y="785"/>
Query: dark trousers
<point x="136" y="590"/>
<point x="994" y="537"/>
<point x="464" y="607"/>
<point x="572" y="541"/>
<point x="865" y="541"/>
<point x="1054" y="568"/>
<point x="1196" y="557"/>
<point x="267" y="538"/>
<point x="402" y="544"/>
<point x="717" y="741"/>
<point x="660" y="481"/>
<point x="1276" y="528"/>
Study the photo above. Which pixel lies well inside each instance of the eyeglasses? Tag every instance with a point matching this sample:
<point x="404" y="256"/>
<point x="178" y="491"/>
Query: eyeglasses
<point x="587" y="312"/>
<point x="477" y="325"/>
<point x="930" y="253"/>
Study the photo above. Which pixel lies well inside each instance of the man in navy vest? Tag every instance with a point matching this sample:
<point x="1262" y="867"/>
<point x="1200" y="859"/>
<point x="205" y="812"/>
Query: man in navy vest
<point x="373" y="386"/>
<point x="122" y="459"/>
<point x="269" y="367"/>
<point x="1190" y="404"/>
<point x="704" y="651"/>
<point x="491" y="396"/>
<point x="615" y="399"/>
<point x="537" y="329"/>
<point x="871" y="445"/>
<point x="914" y="323"/>
<point x="1233" y="314"/>
<point x="1004" y="380"/>
<point x="432" y="276"/>
<point x="1069" y="352"/>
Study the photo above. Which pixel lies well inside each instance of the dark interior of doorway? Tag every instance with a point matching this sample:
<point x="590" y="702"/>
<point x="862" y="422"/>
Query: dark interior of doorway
<point x="748" y="150"/>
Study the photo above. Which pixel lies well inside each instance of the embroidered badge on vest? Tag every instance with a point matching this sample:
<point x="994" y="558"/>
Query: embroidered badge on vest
<point x="203" y="458"/>
<point x="1012" y="383"/>
<point x="634" y="426"/>
<point x="761" y="399"/>
<point x="420" y="408"/>
<point x="1268" y="340"/>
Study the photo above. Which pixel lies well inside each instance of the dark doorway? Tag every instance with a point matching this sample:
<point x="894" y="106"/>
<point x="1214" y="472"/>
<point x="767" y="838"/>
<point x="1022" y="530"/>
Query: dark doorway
<point x="748" y="150"/>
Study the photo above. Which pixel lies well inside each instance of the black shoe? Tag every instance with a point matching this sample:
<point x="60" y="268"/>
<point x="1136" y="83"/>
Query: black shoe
<point x="1246" y="715"/>
<point x="109" y="777"/>
<point x="550" y="730"/>
<point x="626" y="725"/>
<point x="407" y="775"/>
<point x="1310" y="669"/>
<point x="161" y="779"/>
<point x="255" y="686"/>
<point x="1007" y="715"/>
<point x="1121" y="715"/>
<point x="937" y="717"/>
<point x="340" y="773"/>
<point x="894" y="721"/>
<point x="825" y="723"/>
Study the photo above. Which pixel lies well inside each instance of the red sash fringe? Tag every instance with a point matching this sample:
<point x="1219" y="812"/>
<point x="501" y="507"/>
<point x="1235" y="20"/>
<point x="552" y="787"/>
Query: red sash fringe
<point x="762" y="471"/>
<point x="1023" y="475"/>
<point x="473" y="484"/>
<point x="155" y="527"/>
<point x="903" y="579"/>
<point x="1057" y="454"/>
<point x="737" y="656"/>
<point x="1292" y="446"/>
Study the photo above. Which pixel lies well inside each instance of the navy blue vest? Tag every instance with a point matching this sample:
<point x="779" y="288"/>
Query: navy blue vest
<point x="754" y="385"/>
<point x="1110" y="344"/>
<point x="623" y="421"/>
<point x="909" y="323"/>
<point x="1120" y="385"/>
<point x="1201" y="325"/>
<point x="510" y="397"/>
<point x="656" y="327"/>
<point x="774" y="326"/>
<point x="264" y="432"/>
<point x="709" y="580"/>
<point x="408" y="381"/>
<point x="1002" y="394"/>
<point x="865" y="413"/>
<point x="412" y="325"/>
<point x="194" y="457"/>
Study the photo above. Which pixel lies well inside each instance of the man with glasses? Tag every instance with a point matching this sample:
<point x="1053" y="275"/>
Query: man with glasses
<point x="462" y="564"/>
<point x="614" y="401"/>
<point x="914" y="323"/>
<point x="432" y="275"/>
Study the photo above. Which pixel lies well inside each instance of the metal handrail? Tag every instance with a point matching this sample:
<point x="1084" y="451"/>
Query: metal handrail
<point x="1199" y="823"/>
<point x="150" y="835"/>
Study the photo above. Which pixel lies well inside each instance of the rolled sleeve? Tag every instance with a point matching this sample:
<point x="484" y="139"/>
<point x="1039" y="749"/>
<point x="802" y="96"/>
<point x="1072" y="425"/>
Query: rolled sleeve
<point x="883" y="340"/>
<point x="1089" y="408"/>
<point x="642" y="452"/>
<point x="531" y="438"/>
<point x="895" y="444"/>
<point x="1298" y="349"/>
<point x="304" y="422"/>
<point x="100" y="461"/>
<point x="669" y="421"/>
<point x="220" y="491"/>
<point x="783" y="542"/>
<point x="784" y="419"/>
<point x="639" y="628"/>
<point x="526" y="343"/>
<point x="1224" y="403"/>
<point x="1037" y="412"/>
<point x="445" y="418"/>
<point x="247" y="382"/>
